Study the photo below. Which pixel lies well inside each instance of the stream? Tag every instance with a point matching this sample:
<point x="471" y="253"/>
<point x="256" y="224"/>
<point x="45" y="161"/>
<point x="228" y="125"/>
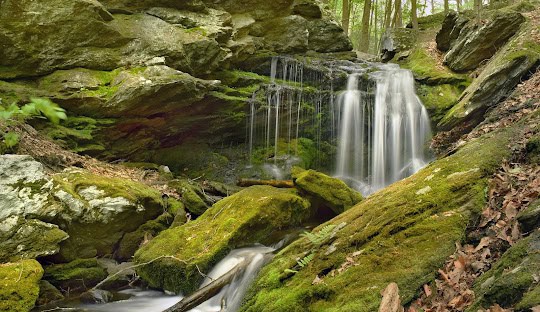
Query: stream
<point x="228" y="299"/>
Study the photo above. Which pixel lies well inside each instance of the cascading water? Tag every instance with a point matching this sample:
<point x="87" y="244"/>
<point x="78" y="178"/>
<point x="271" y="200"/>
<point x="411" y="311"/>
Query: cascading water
<point x="381" y="139"/>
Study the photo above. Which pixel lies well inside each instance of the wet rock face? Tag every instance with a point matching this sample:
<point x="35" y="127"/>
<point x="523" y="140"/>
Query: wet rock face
<point x="477" y="43"/>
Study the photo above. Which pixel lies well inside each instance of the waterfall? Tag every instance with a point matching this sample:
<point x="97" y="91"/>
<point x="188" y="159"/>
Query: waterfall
<point x="382" y="139"/>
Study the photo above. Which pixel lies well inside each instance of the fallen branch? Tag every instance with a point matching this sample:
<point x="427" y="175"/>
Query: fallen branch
<point x="274" y="183"/>
<point x="207" y="291"/>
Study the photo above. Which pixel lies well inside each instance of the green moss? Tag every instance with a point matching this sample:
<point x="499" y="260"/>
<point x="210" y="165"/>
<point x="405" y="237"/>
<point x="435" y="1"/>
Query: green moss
<point x="425" y="69"/>
<point x="330" y="192"/>
<point x="19" y="285"/>
<point x="511" y="276"/>
<point x="530" y="300"/>
<point x="193" y="196"/>
<point x="76" y="275"/>
<point x="439" y="99"/>
<point x="402" y="234"/>
<point x="244" y="218"/>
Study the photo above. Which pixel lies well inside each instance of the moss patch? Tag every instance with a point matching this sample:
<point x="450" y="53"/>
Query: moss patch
<point x="426" y="69"/>
<point x="439" y="99"/>
<point x="244" y="218"/>
<point x="75" y="276"/>
<point x="19" y="285"/>
<point x="401" y="234"/>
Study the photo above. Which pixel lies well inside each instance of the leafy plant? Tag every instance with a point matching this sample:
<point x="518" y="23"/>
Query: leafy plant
<point x="306" y="260"/>
<point x="321" y="236"/>
<point x="37" y="108"/>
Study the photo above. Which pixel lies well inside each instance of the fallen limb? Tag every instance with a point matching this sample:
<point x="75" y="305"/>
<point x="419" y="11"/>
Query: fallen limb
<point x="274" y="183"/>
<point x="207" y="291"/>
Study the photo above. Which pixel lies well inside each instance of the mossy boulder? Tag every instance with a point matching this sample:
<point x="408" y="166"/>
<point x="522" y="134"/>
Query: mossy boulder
<point x="96" y="211"/>
<point x="478" y="43"/>
<point x="75" y="276"/>
<point x="401" y="234"/>
<point x="511" y="278"/>
<point x="24" y="200"/>
<point x="529" y="219"/>
<point x="452" y="25"/>
<point x="516" y="60"/>
<point x="193" y="196"/>
<point x="48" y="293"/>
<point x="19" y="285"/>
<point x="397" y="40"/>
<point x="325" y="190"/>
<point x="244" y="218"/>
<point x="132" y="241"/>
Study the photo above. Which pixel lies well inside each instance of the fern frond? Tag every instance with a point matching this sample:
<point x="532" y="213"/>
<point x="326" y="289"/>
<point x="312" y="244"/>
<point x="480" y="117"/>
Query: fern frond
<point x="321" y="236"/>
<point x="306" y="260"/>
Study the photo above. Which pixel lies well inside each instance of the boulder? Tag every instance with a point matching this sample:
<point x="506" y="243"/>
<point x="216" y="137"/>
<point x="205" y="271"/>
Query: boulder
<point x="307" y="9"/>
<point x="75" y="276"/>
<point x="513" y="279"/>
<point x="327" y="36"/>
<point x="48" y="293"/>
<point x="326" y="191"/>
<point x="58" y="40"/>
<point x="97" y="211"/>
<point x="288" y="34"/>
<point x="501" y="75"/>
<point x="175" y="257"/>
<point x="396" y="40"/>
<point x="480" y="43"/>
<point x="529" y="218"/>
<point x="19" y="285"/>
<point x="24" y="195"/>
<point x="193" y="196"/>
<point x="451" y="27"/>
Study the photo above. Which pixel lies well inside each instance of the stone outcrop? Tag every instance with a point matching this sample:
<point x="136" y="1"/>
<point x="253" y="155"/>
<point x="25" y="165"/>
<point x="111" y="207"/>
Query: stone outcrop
<point x="476" y="43"/>
<point x="451" y="28"/>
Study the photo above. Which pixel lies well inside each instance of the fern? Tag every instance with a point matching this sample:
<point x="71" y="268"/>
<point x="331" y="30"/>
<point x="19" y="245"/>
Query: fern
<point x="321" y="236"/>
<point x="306" y="260"/>
<point x="40" y="108"/>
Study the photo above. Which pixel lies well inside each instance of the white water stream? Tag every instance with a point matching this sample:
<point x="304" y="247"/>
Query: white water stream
<point x="230" y="296"/>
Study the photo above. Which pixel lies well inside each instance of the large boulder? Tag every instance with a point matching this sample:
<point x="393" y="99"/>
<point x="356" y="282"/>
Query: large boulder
<point x="39" y="211"/>
<point x="502" y="74"/>
<point x="327" y="36"/>
<point x="19" y="283"/>
<point x="451" y="27"/>
<point x="326" y="191"/>
<point x="397" y="40"/>
<point x="176" y="256"/>
<point x="37" y="37"/>
<point x="479" y="43"/>
<point x="77" y="275"/>
<point x="24" y="195"/>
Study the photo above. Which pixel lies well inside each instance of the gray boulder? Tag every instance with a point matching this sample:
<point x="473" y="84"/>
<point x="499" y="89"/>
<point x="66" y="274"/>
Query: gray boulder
<point x="452" y="25"/>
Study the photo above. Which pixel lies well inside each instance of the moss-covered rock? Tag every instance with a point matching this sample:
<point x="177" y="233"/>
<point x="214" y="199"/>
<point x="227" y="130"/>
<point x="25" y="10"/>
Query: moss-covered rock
<point x="131" y="241"/>
<point x="499" y="77"/>
<point x="96" y="211"/>
<point x="19" y="285"/>
<point x="451" y="27"/>
<point x="529" y="219"/>
<point x="401" y="234"/>
<point x="193" y="196"/>
<point x="75" y="276"/>
<point x="478" y="43"/>
<point x="48" y="293"/>
<point x="511" y="277"/>
<point x="327" y="191"/>
<point x="244" y="218"/>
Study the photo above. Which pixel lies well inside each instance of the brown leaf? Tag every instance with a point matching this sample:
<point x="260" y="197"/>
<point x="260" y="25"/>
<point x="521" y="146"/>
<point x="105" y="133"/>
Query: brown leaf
<point x="484" y="242"/>
<point x="427" y="290"/>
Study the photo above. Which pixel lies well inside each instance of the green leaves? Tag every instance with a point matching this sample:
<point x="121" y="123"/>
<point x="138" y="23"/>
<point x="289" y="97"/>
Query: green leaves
<point x="38" y="107"/>
<point x="321" y="236"/>
<point x="11" y="139"/>
<point x="306" y="260"/>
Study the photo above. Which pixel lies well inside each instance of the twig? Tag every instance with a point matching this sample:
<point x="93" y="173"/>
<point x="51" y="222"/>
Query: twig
<point x="20" y="273"/>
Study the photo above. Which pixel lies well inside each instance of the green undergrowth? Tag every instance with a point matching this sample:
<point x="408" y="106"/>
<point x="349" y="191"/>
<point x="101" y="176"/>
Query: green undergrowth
<point x="244" y="218"/>
<point x="401" y="234"/>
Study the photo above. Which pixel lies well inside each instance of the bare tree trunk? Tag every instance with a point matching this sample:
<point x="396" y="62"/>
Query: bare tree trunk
<point x="397" y="23"/>
<point x="364" y="34"/>
<point x="478" y="7"/>
<point x="446" y="7"/>
<point x="424" y="8"/>
<point x="374" y="25"/>
<point x="432" y="7"/>
<point x="345" y="16"/>
<point x="414" y="16"/>
<point x="458" y="5"/>
<point x="388" y="14"/>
